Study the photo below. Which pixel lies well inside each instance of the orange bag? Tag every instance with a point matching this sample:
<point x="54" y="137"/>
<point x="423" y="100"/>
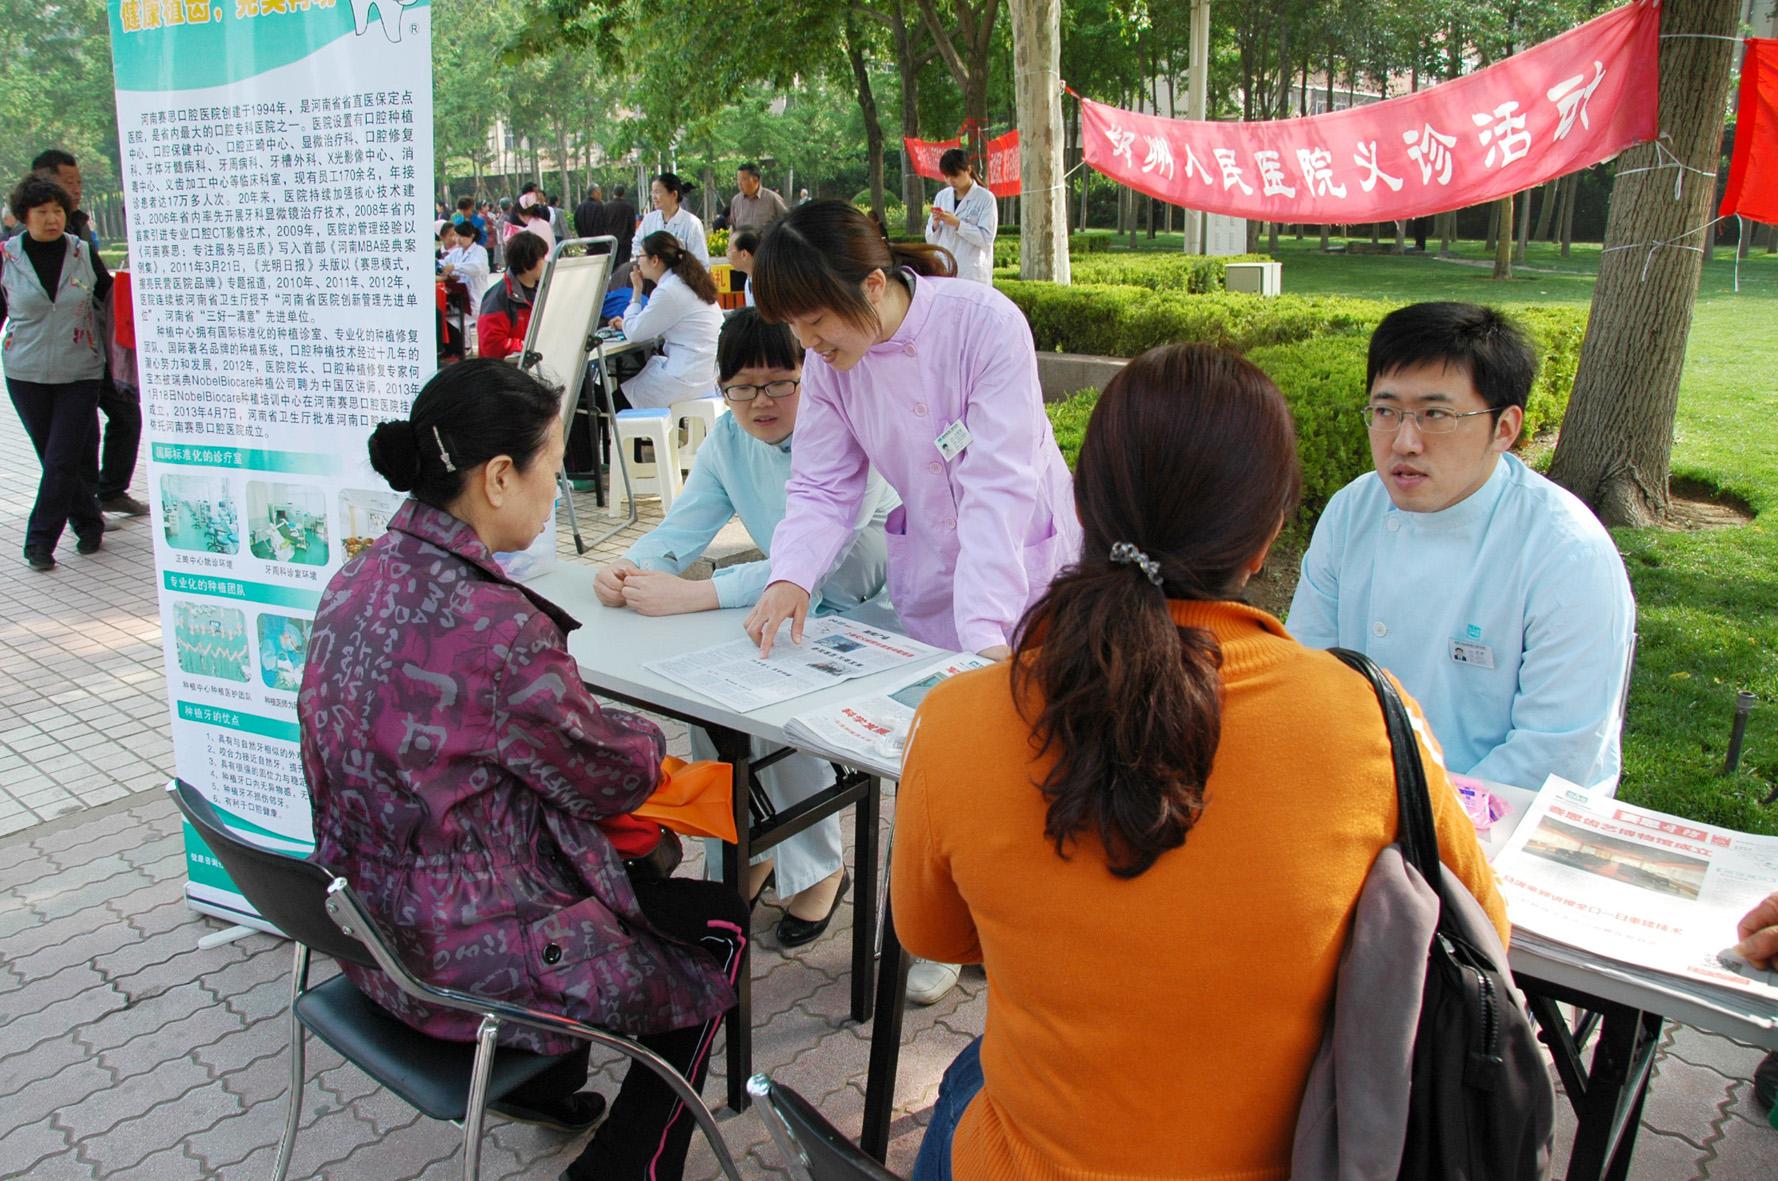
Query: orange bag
<point x="694" y="799"/>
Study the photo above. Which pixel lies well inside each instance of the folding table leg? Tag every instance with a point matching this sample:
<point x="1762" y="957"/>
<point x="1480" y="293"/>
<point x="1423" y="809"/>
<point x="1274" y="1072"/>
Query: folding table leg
<point x="864" y="900"/>
<point x="736" y="750"/>
<point x="885" y="1039"/>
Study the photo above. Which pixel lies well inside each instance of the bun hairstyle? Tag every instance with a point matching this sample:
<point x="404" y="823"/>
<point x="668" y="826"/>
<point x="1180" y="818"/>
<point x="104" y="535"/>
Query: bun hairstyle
<point x="816" y="258"/>
<point x="676" y="185"/>
<point x="466" y="415"/>
<point x="1188" y="467"/>
<point x="682" y="262"/>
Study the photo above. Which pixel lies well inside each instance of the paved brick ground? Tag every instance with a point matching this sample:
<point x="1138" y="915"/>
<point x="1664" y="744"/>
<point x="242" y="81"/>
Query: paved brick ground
<point x="128" y="1052"/>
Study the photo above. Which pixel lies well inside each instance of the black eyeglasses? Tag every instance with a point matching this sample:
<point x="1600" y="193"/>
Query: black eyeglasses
<point x="743" y="394"/>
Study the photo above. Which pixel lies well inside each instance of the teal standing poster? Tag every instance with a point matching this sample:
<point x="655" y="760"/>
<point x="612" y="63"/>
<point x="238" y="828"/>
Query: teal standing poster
<point x="277" y="180"/>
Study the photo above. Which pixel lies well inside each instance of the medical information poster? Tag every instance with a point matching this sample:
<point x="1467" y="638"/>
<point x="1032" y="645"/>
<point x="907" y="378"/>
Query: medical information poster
<point x="278" y="184"/>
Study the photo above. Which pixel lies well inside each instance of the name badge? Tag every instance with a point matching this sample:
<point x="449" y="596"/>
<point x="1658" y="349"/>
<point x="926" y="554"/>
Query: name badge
<point x="1479" y="655"/>
<point x="953" y="440"/>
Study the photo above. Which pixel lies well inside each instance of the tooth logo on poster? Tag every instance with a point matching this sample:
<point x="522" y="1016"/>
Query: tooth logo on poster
<point x="388" y="11"/>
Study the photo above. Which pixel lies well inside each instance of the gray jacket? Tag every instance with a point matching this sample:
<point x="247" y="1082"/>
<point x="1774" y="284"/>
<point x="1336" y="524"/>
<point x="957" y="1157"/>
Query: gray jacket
<point x="48" y="339"/>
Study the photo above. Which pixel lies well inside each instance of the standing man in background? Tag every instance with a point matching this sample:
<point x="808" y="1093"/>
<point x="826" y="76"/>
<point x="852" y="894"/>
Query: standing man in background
<point x="964" y="218"/>
<point x="587" y="214"/>
<point x="755" y="205"/>
<point x="619" y="220"/>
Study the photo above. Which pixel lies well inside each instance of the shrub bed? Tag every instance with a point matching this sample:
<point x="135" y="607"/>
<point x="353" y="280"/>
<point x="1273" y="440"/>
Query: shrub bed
<point x="1313" y="348"/>
<point x="1175" y="273"/>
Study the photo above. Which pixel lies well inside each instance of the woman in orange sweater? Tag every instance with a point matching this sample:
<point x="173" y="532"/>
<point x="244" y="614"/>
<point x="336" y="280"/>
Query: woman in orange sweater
<point x="1153" y="824"/>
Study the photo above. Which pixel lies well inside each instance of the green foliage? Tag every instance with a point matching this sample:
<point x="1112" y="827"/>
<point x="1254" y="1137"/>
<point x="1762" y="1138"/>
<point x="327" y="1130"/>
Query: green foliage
<point x="1313" y="347"/>
<point x="1127" y="321"/>
<point x="1068" y="419"/>
<point x="718" y="242"/>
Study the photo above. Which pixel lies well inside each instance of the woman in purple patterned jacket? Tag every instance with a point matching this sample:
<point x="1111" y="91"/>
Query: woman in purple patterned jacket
<point x="467" y="784"/>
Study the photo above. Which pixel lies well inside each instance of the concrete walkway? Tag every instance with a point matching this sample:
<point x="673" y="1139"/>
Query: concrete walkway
<point x="126" y="1051"/>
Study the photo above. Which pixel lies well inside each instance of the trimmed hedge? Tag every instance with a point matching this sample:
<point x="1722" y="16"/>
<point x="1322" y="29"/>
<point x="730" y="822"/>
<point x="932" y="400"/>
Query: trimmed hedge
<point x="1313" y="348"/>
<point x="1127" y="321"/>
<point x="1173" y="273"/>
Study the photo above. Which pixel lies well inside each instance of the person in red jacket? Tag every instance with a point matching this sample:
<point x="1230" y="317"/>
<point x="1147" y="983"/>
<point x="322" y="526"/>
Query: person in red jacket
<point x="506" y="309"/>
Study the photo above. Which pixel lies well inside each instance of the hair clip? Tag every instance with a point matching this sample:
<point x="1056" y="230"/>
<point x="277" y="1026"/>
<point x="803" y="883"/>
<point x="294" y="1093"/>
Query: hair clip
<point x="1125" y="554"/>
<point x="442" y="453"/>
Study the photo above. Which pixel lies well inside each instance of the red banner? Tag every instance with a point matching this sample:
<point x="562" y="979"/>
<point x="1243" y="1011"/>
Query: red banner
<point x="1003" y="161"/>
<point x="1753" y="173"/>
<point x="1570" y="102"/>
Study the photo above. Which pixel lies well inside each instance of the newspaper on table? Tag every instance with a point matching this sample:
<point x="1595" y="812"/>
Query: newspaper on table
<point x="1589" y="872"/>
<point x="877" y="726"/>
<point x="834" y="650"/>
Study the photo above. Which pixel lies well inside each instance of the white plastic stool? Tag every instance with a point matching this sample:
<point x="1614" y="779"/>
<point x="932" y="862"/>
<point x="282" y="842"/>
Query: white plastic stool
<point x="660" y="478"/>
<point x="698" y="416"/>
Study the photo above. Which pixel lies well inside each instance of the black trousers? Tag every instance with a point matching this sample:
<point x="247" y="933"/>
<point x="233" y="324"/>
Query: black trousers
<point x="648" y="1131"/>
<point x="60" y="420"/>
<point x="109" y="469"/>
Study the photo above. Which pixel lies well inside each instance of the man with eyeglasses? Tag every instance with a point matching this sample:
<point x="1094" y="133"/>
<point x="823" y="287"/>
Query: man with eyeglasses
<point x="1494" y="596"/>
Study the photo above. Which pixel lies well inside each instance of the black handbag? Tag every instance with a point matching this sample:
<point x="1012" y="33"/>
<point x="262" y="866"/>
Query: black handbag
<point x="1480" y="1104"/>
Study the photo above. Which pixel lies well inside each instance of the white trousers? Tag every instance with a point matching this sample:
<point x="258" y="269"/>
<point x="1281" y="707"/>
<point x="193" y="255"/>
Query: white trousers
<point x="809" y="856"/>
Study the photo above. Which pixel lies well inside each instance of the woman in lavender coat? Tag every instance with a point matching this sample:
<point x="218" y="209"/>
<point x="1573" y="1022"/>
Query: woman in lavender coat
<point x="476" y="795"/>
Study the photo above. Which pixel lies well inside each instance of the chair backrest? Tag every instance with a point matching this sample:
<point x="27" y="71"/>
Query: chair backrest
<point x="288" y="892"/>
<point x="813" y="1149"/>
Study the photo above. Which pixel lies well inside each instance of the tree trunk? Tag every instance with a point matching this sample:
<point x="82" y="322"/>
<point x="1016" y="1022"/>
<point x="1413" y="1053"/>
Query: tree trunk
<point x="913" y="192"/>
<point x="1037" y="70"/>
<point x="1447" y="231"/>
<point x="1571" y="198"/>
<point x="1617" y="436"/>
<point x="1503" y="238"/>
<point x="1524" y="226"/>
<point x="707" y="178"/>
<point x="1546" y="209"/>
<point x="1324" y="234"/>
<point x="873" y="123"/>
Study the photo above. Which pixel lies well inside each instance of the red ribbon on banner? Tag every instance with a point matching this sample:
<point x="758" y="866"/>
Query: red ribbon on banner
<point x="1753" y="172"/>
<point x="1568" y="103"/>
<point x="1002" y="176"/>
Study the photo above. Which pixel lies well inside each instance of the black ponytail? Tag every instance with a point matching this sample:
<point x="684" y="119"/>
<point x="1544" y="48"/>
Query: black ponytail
<point x="466" y="415"/>
<point x="1187" y="469"/>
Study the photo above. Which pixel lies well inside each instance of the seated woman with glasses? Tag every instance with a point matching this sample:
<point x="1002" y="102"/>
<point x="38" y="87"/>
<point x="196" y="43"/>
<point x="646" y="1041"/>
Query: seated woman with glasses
<point x="743" y="469"/>
<point x="1152" y="825"/>
<point x="680" y="311"/>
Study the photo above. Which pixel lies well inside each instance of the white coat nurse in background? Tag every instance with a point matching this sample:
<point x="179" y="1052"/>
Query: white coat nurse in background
<point x="964" y="218"/>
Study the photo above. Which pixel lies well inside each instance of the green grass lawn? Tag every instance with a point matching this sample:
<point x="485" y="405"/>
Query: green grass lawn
<point x="1707" y="601"/>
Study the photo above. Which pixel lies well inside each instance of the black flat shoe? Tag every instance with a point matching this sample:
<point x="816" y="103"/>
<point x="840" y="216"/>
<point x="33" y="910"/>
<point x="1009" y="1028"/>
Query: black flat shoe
<point x="794" y="932"/>
<point x="771" y="880"/>
<point x="40" y="559"/>
<point x="579" y="1112"/>
<point x="91" y="544"/>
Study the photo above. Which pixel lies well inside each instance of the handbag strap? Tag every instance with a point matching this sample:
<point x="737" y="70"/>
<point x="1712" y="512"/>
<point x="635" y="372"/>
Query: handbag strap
<point x="1415" y="832"/>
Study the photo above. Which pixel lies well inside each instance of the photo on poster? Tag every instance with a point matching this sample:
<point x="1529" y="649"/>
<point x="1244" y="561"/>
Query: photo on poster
<point x="283" y="647"/>
<point x="199" y="514"/>
<point x="210" y="641"/>
<point x="1665" y="871"/>
<point x="364" y="517"/>
<point x="287" y="523"/>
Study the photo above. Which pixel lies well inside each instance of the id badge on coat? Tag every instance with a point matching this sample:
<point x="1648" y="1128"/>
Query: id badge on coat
<point x="953" y="440"/>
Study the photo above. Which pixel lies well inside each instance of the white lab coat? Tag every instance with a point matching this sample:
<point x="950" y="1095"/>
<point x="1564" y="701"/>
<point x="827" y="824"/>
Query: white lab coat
<point x="971" y="242"/>
<point x="687" y="328"/>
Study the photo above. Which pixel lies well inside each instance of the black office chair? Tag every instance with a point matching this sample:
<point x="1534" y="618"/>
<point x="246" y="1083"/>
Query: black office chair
<point x="453" y="1081"/>
<point x="813" y="1149"/>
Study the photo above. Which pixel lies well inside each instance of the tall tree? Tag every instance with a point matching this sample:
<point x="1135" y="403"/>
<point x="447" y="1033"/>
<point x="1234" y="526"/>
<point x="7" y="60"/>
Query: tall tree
<point x="1037" y="63"/>
<point x="1617" y="436"/>
<point x="966" y="50"/>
